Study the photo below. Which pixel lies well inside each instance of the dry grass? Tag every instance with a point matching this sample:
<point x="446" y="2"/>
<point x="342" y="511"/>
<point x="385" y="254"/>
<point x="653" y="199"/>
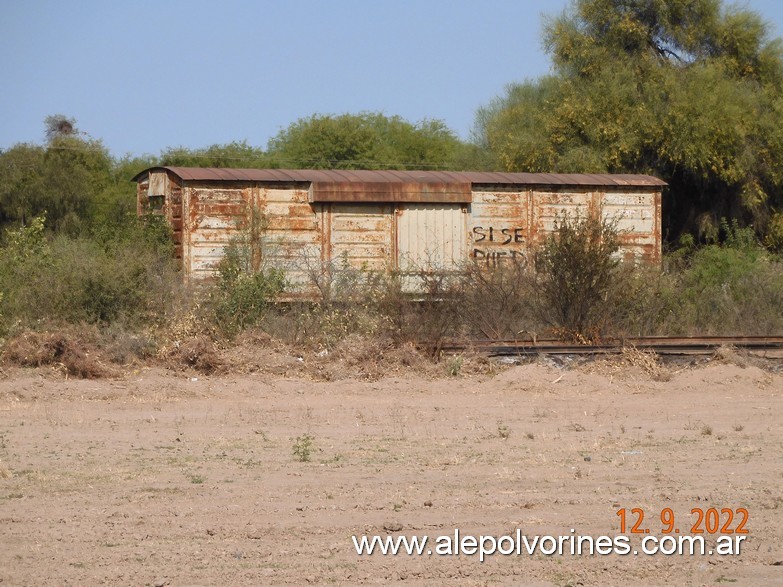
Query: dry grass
<point x="72" y="353"/>
<point x="199" y="353"/>
<point x="630" y="359"/>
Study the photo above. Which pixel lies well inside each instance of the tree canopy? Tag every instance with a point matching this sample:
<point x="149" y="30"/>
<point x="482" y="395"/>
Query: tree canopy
<point x="237" y="154"/>
<point x="72" y="178"/>
<point x="688" y="90"/>
<point x="369" y="141"/>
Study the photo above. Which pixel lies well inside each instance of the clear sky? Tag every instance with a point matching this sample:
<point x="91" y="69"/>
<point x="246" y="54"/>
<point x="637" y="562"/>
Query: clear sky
<point x="147" y="75"/>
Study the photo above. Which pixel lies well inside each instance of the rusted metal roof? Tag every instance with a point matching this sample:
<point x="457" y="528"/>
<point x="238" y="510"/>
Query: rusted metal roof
<point x="382" y="179"/>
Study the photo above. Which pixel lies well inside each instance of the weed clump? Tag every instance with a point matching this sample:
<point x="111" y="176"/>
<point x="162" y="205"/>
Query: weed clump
<point x="303" y="448"/>
<point x="198" y="352"/>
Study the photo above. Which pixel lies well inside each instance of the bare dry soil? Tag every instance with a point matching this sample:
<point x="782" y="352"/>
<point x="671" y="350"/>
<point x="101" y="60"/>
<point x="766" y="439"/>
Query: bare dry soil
<point x="163" y="478"/>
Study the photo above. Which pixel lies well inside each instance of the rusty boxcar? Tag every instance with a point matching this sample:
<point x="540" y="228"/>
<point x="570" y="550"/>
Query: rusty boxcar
<point x="403" y="220"/>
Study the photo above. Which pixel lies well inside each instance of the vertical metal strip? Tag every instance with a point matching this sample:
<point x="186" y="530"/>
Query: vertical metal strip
<point x="395" y="247"/>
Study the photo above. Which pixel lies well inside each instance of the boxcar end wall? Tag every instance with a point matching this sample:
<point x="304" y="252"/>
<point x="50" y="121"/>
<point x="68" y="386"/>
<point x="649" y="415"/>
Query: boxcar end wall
<point x="379" y="220"/>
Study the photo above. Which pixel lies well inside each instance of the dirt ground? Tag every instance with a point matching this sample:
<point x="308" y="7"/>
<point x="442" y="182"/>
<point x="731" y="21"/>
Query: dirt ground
<point x="166" y="478"/>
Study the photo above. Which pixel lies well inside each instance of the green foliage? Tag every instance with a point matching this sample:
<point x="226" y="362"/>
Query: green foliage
<point x="454" y="365"/>
<point x="734" y="288"/>
<point x="237" y="154"/>
<point x="76" y="170"/>
<point x="303" y="448"/>
<point x="68" y="178"/>
<point x="245" y="289"/>
<point x="774" y="237"/>
<point x="368" y="141"/>
<point x="243" y="301"/>
<point x="21" y="183"/>
<point x="77" y="279"/>
<point x="686" y="90"/>
<point x="27" y="242"/>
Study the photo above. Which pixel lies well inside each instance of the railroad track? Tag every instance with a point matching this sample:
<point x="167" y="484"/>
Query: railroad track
<point x="703" y="345"/>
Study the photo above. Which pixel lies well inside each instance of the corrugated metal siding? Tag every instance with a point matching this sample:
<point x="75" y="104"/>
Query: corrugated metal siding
<point x="213" y="217"/>
<point x="360" y="234"/>
<point x="293" y="235"/>
<point x="431" y="236"/>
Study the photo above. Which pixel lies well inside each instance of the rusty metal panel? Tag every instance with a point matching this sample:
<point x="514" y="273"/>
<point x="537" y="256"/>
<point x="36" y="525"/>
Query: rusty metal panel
<point x="347" y="177"/>
<point x="390" y="192"/>
<point x="290" y="227"/>
<point x="214" y="216"/>
<point x="383" y="223"/>
<point x="361" y="236"/>
<point x="510" y="225"/>
<point x="548" y="207"/>
<point x="431" y="236"/>
<point x="638" y="218"/>
<point x="157" y="183"/>
<point x="292" y="234"/>
<point x="500" y="226"/>
<point x="142" y="189"/>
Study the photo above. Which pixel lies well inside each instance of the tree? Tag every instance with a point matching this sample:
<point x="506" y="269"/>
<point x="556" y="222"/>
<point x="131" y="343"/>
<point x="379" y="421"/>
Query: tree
<point x="21" y="183"/>
<point x="237" y="154"/>
<point x="63" y="178"/>
<point x="687" y="90"/>
<point x="368" y="141"/>
<point x="76" y="171"/>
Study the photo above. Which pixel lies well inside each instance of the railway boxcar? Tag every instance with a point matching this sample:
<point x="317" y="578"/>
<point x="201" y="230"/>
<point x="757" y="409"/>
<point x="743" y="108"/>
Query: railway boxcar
<point x="378" y="220"/>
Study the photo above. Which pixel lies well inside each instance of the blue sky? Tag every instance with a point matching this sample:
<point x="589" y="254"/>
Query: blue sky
<point x="143" y="75"/>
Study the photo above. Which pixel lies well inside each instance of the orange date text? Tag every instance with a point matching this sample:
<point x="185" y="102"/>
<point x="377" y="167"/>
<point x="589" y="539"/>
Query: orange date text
<point x="699" y="521"/>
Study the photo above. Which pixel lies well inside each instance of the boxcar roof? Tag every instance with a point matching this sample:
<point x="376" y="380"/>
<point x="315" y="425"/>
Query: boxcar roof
<point x="347" y="177"/>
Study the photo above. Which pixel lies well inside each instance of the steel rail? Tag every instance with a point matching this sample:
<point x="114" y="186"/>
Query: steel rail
<point x="703" y="345"/>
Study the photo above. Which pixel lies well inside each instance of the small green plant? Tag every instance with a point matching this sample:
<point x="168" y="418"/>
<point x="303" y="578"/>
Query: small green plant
<point x="454" y="365"/>
<point x="706" y="430"/>
<point x="245" y="289"/>
<point x="503" y="431"/>
<point x="303" y="448"/>
<point x="197" y="479"/>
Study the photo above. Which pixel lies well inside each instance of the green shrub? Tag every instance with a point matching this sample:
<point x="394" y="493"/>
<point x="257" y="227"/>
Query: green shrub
<point x="734" y="288"/>
<point x="245" y="289"/>
<point x="243" y="301"/>
<point x="130" y="278"/>
<point x="774" y="237"/>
